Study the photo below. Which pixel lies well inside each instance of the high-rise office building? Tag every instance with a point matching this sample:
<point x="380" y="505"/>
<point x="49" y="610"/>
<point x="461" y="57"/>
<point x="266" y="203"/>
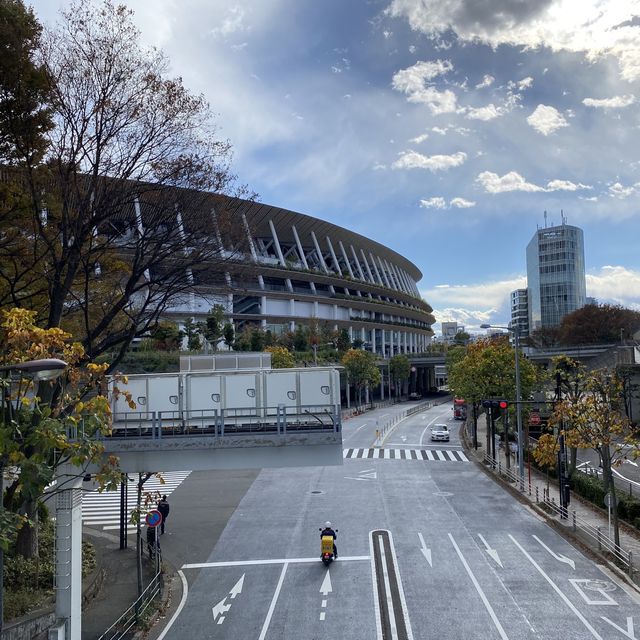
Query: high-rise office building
<point x="520" y="312"/>
<point x="555" y="274"/>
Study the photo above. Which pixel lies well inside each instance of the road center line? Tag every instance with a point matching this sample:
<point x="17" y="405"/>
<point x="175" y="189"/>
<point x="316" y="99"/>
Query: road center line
<point x="246" y="563"/>
<point x="272" y="606"/>
<point x="476" y="584"/>
<point x="580" y="617"/>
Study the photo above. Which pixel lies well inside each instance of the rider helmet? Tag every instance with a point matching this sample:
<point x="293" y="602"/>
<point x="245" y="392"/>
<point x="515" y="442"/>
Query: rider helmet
<point x="327" y="525"/>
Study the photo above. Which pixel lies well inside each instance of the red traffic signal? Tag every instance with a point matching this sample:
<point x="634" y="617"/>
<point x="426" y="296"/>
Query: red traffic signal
<point x="503" y="404"/>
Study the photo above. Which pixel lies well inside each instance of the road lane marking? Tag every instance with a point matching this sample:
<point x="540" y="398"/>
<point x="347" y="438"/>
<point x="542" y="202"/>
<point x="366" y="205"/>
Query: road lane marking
<point x="426" y="552"/>
<point x="247" y="563"/>
<point x="392" y="615"/>
<point x="476" y="584"/>
<point x="629" y="632"/>
<point x="557" y="589"/>
<point x="607" y="599"/>
<point x="559" y="557"/>
<point x="183" y="601"/>
<point x="272" y="606"/>
<point x="492" y="552"/>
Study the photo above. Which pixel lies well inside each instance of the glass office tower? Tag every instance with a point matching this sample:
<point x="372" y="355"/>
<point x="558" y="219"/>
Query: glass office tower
<point x="555" y="275"/>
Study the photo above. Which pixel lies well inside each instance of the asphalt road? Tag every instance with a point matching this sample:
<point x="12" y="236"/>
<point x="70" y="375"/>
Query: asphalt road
<point x="430" y="547"/>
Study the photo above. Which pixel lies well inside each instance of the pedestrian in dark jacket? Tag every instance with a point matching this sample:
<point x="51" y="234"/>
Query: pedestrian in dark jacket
<point x="163" y="508"/>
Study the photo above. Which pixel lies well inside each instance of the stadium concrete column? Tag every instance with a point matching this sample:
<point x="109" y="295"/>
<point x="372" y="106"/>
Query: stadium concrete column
<point x="357" y="263"/>
<point x="366" y="265"/>
<point x="346" y="259"/>
<point x="303" y="257"/>
<point x="333" y="255"/>
<point x="375" y="268"/>
<point x="320" y="256"/>
<point x="383" y="272"/>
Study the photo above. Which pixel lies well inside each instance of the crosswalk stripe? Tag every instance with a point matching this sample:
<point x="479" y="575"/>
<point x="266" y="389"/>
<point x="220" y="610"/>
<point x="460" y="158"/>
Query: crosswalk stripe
<point x="428" y="455"/>
<point x="103" y="509"/>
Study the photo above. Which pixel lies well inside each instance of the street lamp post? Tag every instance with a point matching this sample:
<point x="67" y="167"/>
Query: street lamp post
<point x="46" y="369"/>
<point x="516" y="343"/>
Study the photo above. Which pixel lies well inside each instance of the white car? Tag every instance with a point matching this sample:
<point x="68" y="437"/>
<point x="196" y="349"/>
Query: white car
<point x="440" y="432"/>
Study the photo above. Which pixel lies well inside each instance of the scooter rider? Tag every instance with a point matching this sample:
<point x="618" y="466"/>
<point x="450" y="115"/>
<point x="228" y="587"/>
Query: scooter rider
<point x="328" y="531"/>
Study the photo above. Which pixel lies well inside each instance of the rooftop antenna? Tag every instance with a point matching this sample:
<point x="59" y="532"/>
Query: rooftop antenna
<point x="564" y="220"/>
<point x="545" y="218"/>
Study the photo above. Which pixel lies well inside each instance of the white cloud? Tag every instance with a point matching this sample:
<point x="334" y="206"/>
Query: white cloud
<point x="621" y="192"/>
<point x="487" y="81"/>
<point x="479" y="296"/>
<point x="615" y="284"/>
<point x="440" y="130"/>
<point x="617" y="102"/>
<point x="546" y="119"/>
<point x="434" y="203"/>
<point x="512" y="181"/>
<point x="233" y="22"/>
<point x="415" y="83"/>
<point x="565" y="185"/>
<point x="415" y="160"/>
<point x="525" y="83"/>
<point x="438" y="202"/>
<point x="483" y="113"/>
<point x="599" y="28"/>
<point x="420" y="138"/>
<point x="461" y="203"/>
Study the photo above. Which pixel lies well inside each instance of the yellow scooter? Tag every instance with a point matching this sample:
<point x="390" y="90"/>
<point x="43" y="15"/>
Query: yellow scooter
<point x="327" y="547"/>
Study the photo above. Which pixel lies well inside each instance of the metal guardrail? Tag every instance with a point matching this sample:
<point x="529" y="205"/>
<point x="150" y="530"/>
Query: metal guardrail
<point x="381" y="432"/>
<point x="233" y="421"/>
<point x="593" y="535"/>
<point x="135" y="614"/>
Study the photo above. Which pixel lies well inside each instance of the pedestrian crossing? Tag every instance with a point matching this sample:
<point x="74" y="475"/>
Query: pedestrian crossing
<point x="103" y="509"/>
<point x="428" y="455"/>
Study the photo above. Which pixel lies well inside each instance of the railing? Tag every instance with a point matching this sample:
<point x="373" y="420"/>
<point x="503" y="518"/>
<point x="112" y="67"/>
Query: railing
<point x="382" y="431"/>
<point x="580" y="526"/>
<point x="136" y="612"/>
<point x="226" y="422"/>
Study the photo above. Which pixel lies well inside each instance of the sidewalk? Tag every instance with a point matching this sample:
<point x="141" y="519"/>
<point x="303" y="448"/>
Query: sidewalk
<point x="585" y="522"/>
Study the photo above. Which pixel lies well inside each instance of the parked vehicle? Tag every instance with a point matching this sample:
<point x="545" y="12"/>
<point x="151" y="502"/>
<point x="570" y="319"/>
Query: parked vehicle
<point x="440" y="432"/>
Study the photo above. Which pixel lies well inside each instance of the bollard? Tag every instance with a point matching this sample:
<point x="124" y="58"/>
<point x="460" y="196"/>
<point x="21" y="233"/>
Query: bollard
<point x="499" y="468"/>
<point x="630" y="564"/>
<point x="599" y="541"/>
<point x="630" y="491"/>
<point x="537" y="494"/>
<point x="574" y="519"/>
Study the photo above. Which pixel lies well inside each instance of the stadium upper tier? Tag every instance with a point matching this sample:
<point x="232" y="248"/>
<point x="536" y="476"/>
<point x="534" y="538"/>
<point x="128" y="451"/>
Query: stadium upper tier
<point x="292" y="268"/>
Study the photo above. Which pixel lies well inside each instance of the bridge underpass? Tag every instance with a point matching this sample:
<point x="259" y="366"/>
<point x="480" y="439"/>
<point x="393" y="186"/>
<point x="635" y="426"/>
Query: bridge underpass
<point x="176" y="443"/>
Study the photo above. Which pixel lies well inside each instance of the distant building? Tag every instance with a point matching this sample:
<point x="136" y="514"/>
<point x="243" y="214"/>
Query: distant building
<point x="590" y="300"/>
<point x="520" y="312"/>
<point x="450" y="330"/>
<point x="555" y="275"/>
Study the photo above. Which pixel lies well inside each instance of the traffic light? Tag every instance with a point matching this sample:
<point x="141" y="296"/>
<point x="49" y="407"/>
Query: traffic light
<point x="495" y="404"/>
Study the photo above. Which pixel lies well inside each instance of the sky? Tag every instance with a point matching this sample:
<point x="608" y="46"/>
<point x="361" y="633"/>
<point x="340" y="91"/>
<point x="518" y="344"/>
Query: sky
<point x="444" y="129"/>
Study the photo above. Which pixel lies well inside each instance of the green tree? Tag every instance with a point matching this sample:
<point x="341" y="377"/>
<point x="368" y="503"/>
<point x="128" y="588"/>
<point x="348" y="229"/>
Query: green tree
<point x="362" y="370"/>
<point x="192" y="333"/>
<point x="488" y="370"/>
<point x="400" y="370"/>
<point x="228" y="334"/>
<point x="167" y="337"/>
<point x="212" y="328"/>
<point x="25" y="95"/>
<point x="342" y="341"/>
<point x="257" y="339"/>
<point x="301" y="338"/>
<point x="599" y="324"/>
<point x="281" y="358"/>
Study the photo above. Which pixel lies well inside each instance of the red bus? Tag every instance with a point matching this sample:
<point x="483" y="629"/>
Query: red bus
<point x="459" y="409"/>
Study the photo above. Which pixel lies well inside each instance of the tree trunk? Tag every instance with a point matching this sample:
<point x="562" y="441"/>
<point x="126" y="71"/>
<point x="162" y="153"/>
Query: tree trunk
<point x="573" y="459"/>
<point x="27" y="540"/>
<point x="610" y="487"/>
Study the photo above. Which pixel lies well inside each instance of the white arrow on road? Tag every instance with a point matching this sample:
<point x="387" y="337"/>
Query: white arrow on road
<point x="367" y="474"/>
<point x="557" y="556"/>
<point x="425" y="551"/>
<point x="237" y="587"/>
<point x="629" y="632"/>
<point x="326" y="589"/>
<point x="220" y="609"/>
<point x="492" y="552"/>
